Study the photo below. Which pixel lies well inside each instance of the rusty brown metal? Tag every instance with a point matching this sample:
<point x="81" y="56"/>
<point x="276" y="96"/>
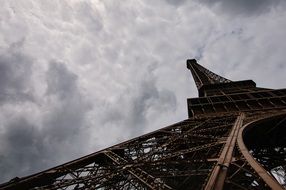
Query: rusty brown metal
<point x="149" y="180"/>
<point x="269" y="180"/>
<point x="217" y="178"/>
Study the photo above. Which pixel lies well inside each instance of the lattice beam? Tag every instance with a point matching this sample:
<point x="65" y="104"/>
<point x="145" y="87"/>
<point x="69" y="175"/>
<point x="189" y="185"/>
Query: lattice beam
<point x="203" y="76"/>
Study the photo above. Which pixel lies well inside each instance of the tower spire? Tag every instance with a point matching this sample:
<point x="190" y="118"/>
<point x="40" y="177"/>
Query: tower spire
<point x="203" y="76"/>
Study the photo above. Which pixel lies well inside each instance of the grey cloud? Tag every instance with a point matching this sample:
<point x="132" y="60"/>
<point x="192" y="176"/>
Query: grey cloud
<point x="60" y="80"/>
<point x="139" y="109"/>
<point x="90" y="17"/>
<point x="22" y="149"/>
<point x="150" y="97"/>
<point x="65" y="121"/>
<point x="28" y="146"/>
<point x="242" y="7"/>
<point x="147" y="94"/>
<point x="15" y="75"/>
<point x="176" y="2"/>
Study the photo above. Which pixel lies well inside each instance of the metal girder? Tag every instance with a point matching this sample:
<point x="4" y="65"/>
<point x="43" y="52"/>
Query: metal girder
<point x="175" y="157"/>
<point x="166" y="159"/>
<point x="269" y="180"/>
<point x="217" y="178"/>
<point x="149" y="180"/>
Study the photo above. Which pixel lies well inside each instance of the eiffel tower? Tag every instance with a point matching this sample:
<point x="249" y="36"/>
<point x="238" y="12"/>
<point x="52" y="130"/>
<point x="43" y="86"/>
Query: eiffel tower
<point x="234" y="138"/>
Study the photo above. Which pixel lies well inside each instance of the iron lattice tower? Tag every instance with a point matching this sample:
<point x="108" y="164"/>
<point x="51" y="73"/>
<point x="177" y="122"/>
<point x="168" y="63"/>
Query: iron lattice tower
<point x="234" y="138"/>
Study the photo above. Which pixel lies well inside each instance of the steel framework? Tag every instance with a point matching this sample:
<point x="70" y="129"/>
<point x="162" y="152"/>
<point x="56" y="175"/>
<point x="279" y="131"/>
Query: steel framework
<point x="234" y="138"/>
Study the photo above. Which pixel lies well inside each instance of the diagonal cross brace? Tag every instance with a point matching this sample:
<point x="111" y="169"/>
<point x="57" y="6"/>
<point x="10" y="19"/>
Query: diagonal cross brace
<point x="149" y="180"/>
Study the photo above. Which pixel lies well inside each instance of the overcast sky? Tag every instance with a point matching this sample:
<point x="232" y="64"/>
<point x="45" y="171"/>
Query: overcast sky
<point x="77" y="76"/>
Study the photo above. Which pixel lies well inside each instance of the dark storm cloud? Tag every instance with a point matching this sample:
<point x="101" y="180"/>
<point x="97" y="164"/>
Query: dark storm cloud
<point x="67" y="117"/>
<point x="19" y="138"/>
<point x="15" y="72"/>
<point x="22" y="149"/>
<point x="242" y="7"/>
<point x="27" y="145"/>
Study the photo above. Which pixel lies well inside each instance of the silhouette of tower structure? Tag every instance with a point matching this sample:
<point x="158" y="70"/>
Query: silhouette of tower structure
<point x="234" y="138"/>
